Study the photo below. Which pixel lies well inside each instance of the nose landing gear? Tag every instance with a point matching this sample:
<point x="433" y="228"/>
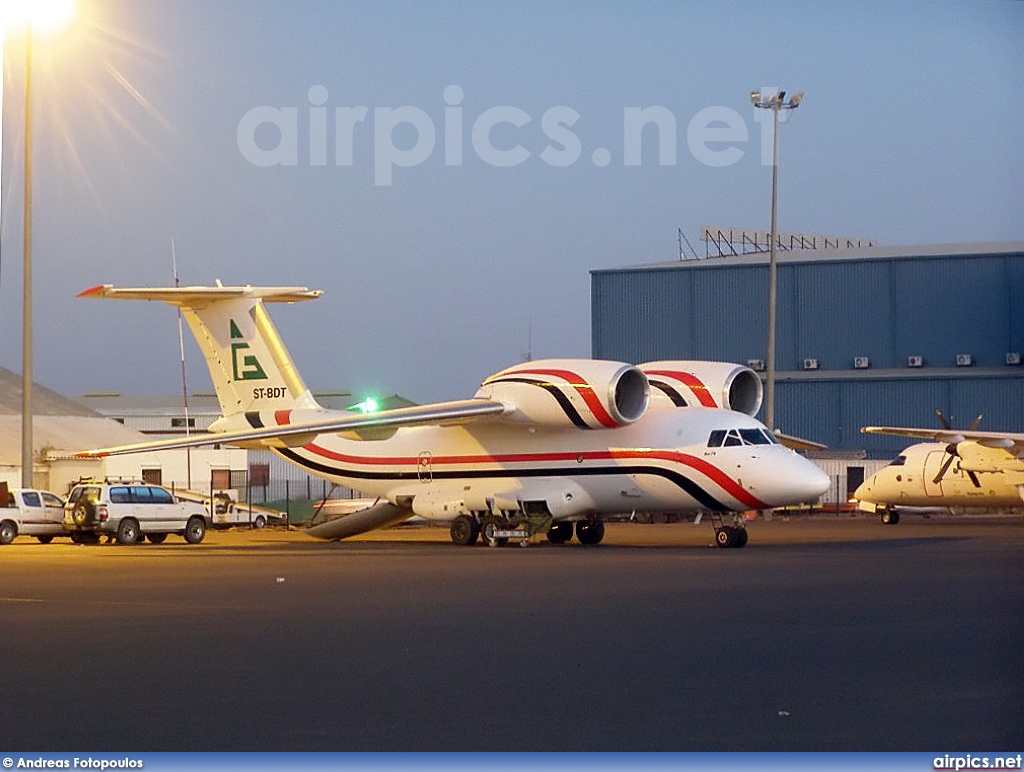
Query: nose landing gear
<point x="733" y="534"/>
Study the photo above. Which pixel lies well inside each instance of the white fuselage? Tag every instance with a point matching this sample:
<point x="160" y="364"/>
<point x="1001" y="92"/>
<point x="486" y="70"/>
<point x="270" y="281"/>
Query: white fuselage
<point x="910" y="482"/>
<point x="662" y="462"/>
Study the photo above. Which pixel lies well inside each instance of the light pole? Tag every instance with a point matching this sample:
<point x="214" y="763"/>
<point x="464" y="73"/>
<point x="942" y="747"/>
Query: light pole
<point x="775" y="103"/>
<point x="44" y="16"/>
<point x="27" y="460"/>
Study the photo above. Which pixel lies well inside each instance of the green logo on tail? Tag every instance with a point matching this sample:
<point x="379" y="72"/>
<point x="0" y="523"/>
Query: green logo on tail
<point x="246" y="366"/>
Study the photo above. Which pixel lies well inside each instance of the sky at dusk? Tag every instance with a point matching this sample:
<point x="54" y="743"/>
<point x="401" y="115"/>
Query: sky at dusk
<point x="449" y="173"/>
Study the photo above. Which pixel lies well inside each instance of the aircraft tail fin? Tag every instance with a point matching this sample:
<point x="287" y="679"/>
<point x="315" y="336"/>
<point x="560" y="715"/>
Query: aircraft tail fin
<point x="248" y="362"/>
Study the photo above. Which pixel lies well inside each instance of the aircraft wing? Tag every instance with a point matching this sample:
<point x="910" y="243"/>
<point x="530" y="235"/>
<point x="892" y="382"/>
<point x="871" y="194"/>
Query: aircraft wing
<point x="298" y="434"/>
<point x="1006" y="440"/>
<point x="798" y="443"/>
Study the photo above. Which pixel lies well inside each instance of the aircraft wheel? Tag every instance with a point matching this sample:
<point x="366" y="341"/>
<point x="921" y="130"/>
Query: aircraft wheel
<point x="464" y="530"/>
<point x="723" y="536"/>
<point x="589" y="532"/>
<point x="560" y="532"/>
<point x="741" y="537"/>
<point x="889" y="517"/>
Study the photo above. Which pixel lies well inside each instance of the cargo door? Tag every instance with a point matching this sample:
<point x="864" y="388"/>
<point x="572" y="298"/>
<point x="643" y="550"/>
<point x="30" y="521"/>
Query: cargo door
<point x="932" y="464"/>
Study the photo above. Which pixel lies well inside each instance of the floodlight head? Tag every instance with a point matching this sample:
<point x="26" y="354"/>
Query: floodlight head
<point x="755" y="97"/>
<point x="796" y="99"/>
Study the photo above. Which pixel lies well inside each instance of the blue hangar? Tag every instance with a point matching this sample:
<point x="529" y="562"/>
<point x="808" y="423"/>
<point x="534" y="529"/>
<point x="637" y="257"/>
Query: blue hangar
<point x="872" y="336"/>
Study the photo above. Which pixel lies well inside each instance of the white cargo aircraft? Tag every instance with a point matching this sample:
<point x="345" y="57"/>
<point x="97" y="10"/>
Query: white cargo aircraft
<point x="988" y="472"/>
<point x="542" y="445"/>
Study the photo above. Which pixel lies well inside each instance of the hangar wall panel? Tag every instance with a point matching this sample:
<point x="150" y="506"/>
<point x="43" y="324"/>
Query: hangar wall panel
<point x="1000" y="402"/>
<point x="1014" y="283"/>
<point x="835" y="324"/>
<point x="730" y="315"/>
<point x="952" y="307"/>
<point x="639" y="316"/>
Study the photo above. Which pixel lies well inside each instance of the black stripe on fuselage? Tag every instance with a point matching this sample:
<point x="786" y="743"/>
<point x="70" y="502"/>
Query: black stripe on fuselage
<point x="668" y="391"/>
<point x="694" y="490"/>
<point x="681" y="481"/>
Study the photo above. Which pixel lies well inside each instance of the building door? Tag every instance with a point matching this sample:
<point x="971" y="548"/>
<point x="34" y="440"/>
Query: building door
<point x="854" y="479"/>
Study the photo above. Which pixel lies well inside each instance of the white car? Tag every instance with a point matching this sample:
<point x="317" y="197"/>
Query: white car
<point x="30" y="513"/>
<point x="131" y="511"/>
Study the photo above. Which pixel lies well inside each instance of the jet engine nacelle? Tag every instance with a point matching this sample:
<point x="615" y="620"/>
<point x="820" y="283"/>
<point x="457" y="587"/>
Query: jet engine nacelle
<point x="586" y="393"/>
<point x="705" y="384"/>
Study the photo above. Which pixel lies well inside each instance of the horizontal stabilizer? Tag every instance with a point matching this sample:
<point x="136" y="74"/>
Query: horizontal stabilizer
<point x="379" y="515"/>
<point x="190" y="296"/>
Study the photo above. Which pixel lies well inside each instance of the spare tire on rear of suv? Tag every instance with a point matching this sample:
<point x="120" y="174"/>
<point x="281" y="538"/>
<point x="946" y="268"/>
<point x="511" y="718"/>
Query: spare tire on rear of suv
<point x="84" y="512"/>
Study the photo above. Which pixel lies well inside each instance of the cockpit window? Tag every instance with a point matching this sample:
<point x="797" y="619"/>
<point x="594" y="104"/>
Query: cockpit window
<point x="732" y="437"/>
<point x="754" y="437"/>
<point x="899" y="461"/>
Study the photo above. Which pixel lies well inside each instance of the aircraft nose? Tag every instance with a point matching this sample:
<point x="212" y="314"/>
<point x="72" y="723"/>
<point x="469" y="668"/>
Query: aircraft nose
<point x="863" y="490"/>
<point x="800" y="481"/>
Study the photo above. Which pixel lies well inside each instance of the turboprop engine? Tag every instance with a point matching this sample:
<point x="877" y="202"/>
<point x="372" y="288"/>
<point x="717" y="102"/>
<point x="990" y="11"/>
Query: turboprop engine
<point x="587" y="393"/>
<point x="704" y="384"/>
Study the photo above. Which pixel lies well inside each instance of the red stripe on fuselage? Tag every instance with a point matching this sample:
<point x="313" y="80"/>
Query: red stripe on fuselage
<point x="707" y="469"/>
<point x="692" y="382"/>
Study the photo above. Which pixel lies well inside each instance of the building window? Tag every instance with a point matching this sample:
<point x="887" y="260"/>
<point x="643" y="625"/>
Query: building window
<point x="259" y="474"/>
<point x="221" y="479"/>
<point x="179" y="423"/>
<point x="153" y="476"/>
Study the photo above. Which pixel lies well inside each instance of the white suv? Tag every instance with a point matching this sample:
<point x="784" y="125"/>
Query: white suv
<point x="130" y="512"/>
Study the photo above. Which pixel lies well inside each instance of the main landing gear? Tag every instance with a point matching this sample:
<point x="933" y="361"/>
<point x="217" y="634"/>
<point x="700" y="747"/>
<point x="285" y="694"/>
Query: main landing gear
<point x="733" y="534"/>
<point x="498" y="530"/>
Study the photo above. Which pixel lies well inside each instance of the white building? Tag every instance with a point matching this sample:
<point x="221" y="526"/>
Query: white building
<point x="61" y="427"/>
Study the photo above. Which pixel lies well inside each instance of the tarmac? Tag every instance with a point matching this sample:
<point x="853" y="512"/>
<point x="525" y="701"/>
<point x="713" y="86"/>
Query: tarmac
<point x="824" y="633"/>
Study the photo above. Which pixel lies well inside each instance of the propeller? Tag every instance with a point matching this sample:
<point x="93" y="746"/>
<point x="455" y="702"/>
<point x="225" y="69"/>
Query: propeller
<point x="952" y="450"/>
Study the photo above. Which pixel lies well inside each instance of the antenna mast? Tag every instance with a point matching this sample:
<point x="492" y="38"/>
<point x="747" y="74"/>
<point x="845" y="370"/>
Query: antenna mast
<point x="184" y="385"/>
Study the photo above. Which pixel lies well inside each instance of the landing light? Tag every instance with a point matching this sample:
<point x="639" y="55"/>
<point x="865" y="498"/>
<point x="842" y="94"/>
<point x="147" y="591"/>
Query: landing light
<point x="368" y="405"/>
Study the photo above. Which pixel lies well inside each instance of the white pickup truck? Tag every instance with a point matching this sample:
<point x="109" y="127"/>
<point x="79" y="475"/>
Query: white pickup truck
<point x="30" y="513"/>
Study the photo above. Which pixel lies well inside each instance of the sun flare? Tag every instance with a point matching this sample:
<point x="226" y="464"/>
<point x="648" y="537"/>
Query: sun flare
<point x="40" y="16"/>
